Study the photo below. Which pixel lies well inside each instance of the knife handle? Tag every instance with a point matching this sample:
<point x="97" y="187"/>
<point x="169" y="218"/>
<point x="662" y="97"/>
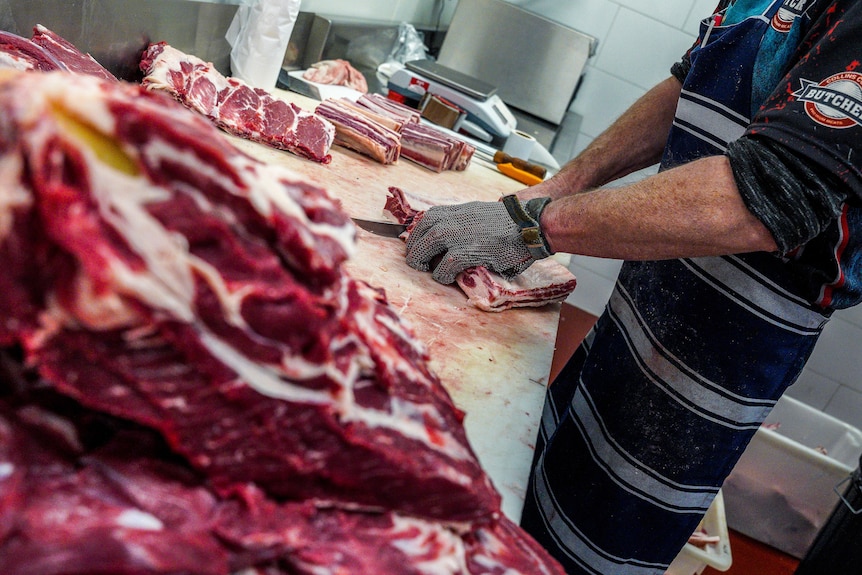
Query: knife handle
<point x="520" y="175"/>
<point x="501" y="157"/>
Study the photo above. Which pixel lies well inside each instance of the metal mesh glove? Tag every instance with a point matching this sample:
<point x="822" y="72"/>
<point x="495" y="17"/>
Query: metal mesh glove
<point x="472" y="234"/>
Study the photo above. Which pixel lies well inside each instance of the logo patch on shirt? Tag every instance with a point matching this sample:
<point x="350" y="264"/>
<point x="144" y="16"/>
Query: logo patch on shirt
<point x="788" y="13"/>
<point x="836" y="102"/>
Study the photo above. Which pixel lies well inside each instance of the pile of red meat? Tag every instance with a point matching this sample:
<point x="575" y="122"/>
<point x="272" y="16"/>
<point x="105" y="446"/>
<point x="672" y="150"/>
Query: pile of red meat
<point x="191" y="382"/>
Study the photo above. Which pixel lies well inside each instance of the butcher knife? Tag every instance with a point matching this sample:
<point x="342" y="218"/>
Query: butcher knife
<point x="386" y="229"/>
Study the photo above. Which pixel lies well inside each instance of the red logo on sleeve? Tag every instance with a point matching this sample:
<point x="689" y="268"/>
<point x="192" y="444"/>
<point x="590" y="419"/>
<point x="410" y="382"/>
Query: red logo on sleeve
<point x="835" y="102"/>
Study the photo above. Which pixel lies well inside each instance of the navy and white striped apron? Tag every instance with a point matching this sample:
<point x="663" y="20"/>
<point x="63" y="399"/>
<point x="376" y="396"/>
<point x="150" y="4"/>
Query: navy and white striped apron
<point x="654" y="409"/>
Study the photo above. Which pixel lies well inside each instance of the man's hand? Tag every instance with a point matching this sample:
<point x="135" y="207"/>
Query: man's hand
<point x="467" y="235"/>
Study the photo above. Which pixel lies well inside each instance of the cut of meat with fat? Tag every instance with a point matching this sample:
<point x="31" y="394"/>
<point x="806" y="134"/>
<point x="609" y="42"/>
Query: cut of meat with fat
<point x="91" y="509"/>
<point x="64" y="51"/>
<point x="338" y="73"/>
<point x="545" y="281"/>
<point x="208" y="286"/>
<point x="19" y="53"/>
<point x="362" y="131"/>
<point x="192" y="383"/>
<point x="434" y="149"/>
<point x="235" y="106"/>
<point x="382" y="105"/>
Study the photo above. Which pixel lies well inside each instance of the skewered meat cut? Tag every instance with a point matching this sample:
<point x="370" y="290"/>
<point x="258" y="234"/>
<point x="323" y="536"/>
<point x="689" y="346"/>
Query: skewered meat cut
<point x="235" y="106"/>
<point x="154" y="275"/>
<point x="545" y="281"/>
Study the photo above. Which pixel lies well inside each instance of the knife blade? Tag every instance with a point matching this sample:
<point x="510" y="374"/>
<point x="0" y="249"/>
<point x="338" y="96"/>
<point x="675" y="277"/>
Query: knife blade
<point x="385" y="229"/>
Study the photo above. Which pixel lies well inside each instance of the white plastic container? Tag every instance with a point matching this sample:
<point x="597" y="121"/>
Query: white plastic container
<point x="782" y="489"/>
<point x="692" y="560"/>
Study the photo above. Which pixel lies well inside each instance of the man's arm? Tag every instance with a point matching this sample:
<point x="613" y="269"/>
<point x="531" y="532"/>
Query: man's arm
<point x="688" y="211"/>
<point x="634" y="141"/>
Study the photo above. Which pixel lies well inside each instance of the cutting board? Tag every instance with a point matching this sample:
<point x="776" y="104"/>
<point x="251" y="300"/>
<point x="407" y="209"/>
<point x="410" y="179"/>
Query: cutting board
<point x="494" y="365"/>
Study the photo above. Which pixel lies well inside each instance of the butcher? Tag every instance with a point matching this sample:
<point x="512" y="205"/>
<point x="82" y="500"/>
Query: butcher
<point x="736" y="254"/>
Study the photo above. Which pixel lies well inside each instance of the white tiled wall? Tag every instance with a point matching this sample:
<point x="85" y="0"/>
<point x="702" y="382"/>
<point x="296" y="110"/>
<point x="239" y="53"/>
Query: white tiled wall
<point x="638" y="41"/>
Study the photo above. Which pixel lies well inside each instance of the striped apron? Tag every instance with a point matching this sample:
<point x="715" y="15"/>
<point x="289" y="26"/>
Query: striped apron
<point x="650" y="415"/>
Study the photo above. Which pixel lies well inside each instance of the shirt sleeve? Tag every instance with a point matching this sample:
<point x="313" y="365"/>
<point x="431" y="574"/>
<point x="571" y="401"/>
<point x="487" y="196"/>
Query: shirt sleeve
<point x="793" y="197"/>
<point x="799" y="160"/>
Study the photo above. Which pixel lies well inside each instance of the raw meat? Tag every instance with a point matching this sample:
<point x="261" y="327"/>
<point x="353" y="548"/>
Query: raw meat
<point x="361" y="132"/>
<point x="208" y="287"/>
<point x="421" y="143"/>
<point x="336" y="73"/>
<point x="384" y="106"/>
<point x="434" y="149"/>
<point x="546" y="281"/>
<point x="73" y="59"/>
<point x="45" y="52"/>
<point x="236" y="107"/>
<point x="19" y="53"/>
<point x="92" y="509"/>
<point x="232" y="401"/>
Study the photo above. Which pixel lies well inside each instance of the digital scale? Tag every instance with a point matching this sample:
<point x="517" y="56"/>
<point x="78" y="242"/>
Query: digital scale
<point x="487" y="117"/>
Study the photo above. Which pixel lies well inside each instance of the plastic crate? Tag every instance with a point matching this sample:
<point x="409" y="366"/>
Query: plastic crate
<point x="692" y="560"/>
<point x="781" y="491"/>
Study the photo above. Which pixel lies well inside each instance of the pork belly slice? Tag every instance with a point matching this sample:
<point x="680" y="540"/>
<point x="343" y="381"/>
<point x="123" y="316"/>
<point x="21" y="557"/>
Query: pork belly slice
<point x="363" y="131"/>
<point x="234" y="106"/>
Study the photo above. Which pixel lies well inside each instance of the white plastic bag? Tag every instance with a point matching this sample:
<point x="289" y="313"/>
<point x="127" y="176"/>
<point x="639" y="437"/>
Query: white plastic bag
<point x="258" y="36"/>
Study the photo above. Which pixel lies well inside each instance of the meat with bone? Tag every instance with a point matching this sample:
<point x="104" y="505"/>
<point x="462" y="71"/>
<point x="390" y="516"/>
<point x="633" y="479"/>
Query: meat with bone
<point x="194" y="290"/>
<point x="236" y="107"/>
<point x="546" y="281"/>
<point x="174" y="286"/>
<point x="361" y="130"/>
<point x="385" y="107"/>
<point x="434" y="149"/>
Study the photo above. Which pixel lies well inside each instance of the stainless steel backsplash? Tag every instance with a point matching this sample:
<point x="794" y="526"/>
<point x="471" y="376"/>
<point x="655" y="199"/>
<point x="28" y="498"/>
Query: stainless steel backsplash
<point x="116" y="32"/>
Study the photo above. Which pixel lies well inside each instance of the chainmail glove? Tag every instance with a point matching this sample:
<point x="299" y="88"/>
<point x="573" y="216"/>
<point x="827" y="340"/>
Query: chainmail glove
<point x="473" y="234"/>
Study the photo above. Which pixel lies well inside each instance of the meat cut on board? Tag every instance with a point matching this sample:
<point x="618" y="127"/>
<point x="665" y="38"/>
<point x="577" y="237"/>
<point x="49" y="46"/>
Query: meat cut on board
<point x="546" y="281"/>
<point x="234" y="106"/>
<point x="158" y="282"/>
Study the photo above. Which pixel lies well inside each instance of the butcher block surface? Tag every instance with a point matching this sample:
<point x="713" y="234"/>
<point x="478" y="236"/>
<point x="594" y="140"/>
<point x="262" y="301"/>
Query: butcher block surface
<point x="495" y="365"/>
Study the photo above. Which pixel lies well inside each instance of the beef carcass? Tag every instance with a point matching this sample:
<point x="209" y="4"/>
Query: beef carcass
<point x="371" y="135"/>
<point x="234" y="106"/>
<point x="545" y="281"/>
